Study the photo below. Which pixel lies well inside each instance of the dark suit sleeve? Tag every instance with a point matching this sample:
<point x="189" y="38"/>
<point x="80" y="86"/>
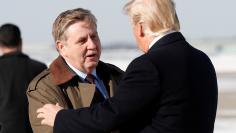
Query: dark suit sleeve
<point x="138" y="88"/>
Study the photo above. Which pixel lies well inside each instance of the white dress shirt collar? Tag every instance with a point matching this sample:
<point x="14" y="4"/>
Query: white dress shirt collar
<point x="79" y="73"/>
<point x="159" y="37"/>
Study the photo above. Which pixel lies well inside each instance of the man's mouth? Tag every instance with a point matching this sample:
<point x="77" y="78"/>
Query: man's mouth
<point x="91" y="55"/>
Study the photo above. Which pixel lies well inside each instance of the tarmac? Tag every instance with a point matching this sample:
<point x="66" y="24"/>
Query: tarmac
<point x="226" y="104"/>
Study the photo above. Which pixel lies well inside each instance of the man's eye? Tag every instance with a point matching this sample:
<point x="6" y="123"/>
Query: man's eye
<point x="94" y="37"/>
<point x="82" y="41"/>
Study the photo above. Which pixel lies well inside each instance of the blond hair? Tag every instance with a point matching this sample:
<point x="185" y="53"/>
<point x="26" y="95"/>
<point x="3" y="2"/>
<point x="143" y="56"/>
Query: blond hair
<point x="157" y="16"/>
<point x="69" y="17"/>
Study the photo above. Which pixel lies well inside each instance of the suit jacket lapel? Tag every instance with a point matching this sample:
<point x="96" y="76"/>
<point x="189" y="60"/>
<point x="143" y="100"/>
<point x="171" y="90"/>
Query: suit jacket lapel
<point x="104" y="74"/>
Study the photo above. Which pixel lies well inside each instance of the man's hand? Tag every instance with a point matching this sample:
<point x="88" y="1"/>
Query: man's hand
<point x="48" y="113"/>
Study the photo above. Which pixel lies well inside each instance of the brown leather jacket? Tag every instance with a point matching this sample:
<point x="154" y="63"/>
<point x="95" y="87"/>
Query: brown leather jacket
<point x="59" y="84"/>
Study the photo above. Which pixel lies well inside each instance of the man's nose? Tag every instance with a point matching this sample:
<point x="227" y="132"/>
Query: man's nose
<point x="91" y="43"/>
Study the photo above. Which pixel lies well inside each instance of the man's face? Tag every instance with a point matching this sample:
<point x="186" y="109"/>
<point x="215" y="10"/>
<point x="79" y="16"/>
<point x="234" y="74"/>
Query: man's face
<point x="82" y="48"/>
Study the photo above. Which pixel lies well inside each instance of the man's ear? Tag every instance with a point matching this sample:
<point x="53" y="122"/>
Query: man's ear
<point x="141" y="30"/>
<point x="60" y="46"/>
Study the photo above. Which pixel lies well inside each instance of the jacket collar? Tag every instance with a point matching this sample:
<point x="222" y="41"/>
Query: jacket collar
<point x="60" y="71"/>
<point x="168" y="39"/>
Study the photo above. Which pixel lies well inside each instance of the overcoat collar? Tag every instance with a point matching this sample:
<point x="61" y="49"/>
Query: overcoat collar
<point x="168" y="39"/>
<point x="60" y="71"/>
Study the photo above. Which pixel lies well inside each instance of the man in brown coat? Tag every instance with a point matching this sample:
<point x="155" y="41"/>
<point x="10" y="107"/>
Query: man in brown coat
<point x="66" y="81"/>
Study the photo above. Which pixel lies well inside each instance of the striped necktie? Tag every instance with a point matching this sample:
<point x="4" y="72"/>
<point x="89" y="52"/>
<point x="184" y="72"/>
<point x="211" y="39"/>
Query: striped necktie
<point x="90" y="78"/>
<point x="98" y="97"/>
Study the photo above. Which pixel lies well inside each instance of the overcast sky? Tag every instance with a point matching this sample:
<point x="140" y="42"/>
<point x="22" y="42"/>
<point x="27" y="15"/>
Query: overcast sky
<point x="198" y="18"/>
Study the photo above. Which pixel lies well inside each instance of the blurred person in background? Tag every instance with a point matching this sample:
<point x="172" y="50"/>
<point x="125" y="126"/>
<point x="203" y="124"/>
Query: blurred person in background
<point x="76" y="78"/>
<point x="171" y="88"/>
<point x="16" y="72"/>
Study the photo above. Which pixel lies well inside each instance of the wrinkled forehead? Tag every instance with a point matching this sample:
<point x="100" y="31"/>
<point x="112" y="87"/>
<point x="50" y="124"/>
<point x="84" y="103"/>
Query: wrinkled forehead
<point x="80" y="29"/>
